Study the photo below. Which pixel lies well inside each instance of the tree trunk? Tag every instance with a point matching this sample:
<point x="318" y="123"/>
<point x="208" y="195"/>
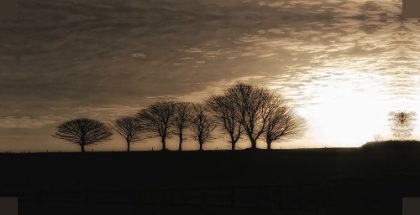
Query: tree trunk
<point x="163" y="143"/>
<point x="180" y="141"/>
<point x="232" y="141"/>
<point x="253" y="144"/>
<point x="83" y="147"/>
<point x="201" y="146"/>
<point x="128" y="145"/>
<point x="269" y="145"/>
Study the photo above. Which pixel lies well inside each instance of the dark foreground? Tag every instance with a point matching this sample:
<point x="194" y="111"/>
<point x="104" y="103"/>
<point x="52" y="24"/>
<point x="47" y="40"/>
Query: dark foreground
<point x="317" y="181"/>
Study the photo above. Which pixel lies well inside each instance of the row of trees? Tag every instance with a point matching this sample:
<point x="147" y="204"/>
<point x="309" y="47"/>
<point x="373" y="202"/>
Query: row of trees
<point x="241" y="110"/>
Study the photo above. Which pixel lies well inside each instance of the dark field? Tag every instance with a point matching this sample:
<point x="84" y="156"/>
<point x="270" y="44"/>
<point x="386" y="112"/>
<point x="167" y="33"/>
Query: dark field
<point x="369" y="180"/>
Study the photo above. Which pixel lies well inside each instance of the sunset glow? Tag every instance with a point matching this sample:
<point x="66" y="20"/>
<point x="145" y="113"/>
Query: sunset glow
<point x="343" y="65"/>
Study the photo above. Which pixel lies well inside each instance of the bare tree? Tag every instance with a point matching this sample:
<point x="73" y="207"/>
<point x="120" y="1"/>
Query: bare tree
<point x="202" y="124"/>
<point x="182" y="119"/>
<point x="130" y="128"/>
<point x="283" y="123"/>
<point x="225" y="112"/>
<point x="83" y="131"/>
<point x="253" y="107"/>
<point x="377" y="137"/>
<point x="157" y="118"/>
<point x="402" y="123"/>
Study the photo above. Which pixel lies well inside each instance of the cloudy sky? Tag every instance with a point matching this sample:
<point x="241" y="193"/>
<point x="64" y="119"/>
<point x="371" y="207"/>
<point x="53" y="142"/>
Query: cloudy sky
<point x="342" y="64"/>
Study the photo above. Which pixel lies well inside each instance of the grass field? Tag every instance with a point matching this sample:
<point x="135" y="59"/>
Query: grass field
<point x="372" y="178"/>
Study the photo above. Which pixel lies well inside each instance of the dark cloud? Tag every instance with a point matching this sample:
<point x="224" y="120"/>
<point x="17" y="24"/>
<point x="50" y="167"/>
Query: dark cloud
<point x="104" y="59"/>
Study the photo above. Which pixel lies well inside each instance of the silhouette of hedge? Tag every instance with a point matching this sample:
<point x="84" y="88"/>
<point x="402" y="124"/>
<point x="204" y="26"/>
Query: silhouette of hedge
<point x="392" y="145"/>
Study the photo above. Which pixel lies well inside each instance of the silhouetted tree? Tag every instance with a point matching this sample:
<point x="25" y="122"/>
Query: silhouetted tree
<point x="283" y="123"/>
<point x="182" y="119"/>
<point x="130" y="128"/>
<point x="157" y="119"/>
<point x="253" y="106"/>
<point x="377" y="137"/>
<point x="225" y="112"/>
<point x="83" y="131"/>
<point x="402" y="123"/>
<point x="202" y="124"/>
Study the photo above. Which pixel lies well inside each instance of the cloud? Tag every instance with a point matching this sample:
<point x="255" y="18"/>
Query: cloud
<point x="193" y="50"/>
<point x="302" y="48"/>
<point x="161" y="97"/>
<point x="187" y="58"/>
<point x="103" y="113"/>
<point x="61" y="114"/>
<point x="138" y="55"/>
<point x="268" y="55"/>
<point x="27" y="122"/>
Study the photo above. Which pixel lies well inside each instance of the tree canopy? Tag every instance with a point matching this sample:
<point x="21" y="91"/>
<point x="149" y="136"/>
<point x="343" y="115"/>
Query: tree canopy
<point x="83" y="131"/>
<point x="226" y="114"/>
<point x="158" y="118"/>
<point x="130" y="128"/>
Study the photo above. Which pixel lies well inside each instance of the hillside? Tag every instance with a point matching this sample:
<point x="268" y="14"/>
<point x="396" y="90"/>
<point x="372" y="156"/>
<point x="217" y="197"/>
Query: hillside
<point x="300" y="177"/>
<point x="193" y="168"/>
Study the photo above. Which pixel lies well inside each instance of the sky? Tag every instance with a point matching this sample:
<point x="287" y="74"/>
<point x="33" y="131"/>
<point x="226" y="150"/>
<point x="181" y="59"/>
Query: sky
<point x="343" y="65"/>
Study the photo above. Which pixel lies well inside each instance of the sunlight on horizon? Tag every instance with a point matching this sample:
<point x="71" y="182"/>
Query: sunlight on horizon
<point x="343" y="65"/>
<point x="347" y="112"/>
